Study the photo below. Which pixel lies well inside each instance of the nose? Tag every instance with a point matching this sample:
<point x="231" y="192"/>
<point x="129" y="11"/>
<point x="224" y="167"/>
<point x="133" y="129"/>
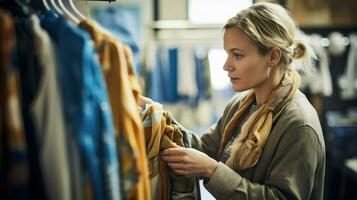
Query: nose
<point x="228" y="66"/>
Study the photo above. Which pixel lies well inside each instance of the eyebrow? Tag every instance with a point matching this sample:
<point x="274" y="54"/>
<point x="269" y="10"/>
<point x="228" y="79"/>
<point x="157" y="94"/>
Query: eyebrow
<point x="233" y="49"/>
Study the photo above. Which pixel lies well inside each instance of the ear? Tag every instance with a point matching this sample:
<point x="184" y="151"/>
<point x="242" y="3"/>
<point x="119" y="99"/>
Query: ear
<point x="274" y="56"/>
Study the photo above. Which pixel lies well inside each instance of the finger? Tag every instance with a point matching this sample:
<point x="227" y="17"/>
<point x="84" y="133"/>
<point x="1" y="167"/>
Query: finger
<point x="172" y="151"/>
<point x="171" y="158"/>
<point x="177" y="166"/>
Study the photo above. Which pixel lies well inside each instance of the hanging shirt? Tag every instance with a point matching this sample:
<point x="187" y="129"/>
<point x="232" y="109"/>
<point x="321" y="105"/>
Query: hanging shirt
<point x="123" y="88"/>
<point x="14" y="166"/>
<point x="187" y="84"/>
<point x="87" y="110"/>
<point x="162" y="74"/>
<point x="46" y="111"/>
<point x="27" y="62"/>
<point x="171" y="76"/>
<point x="161" y="133"/>
<point x="154" y="80"/>
<point x="348" y="80"/>
<point x="320" y="69"/>
<point x="124" y="24"/>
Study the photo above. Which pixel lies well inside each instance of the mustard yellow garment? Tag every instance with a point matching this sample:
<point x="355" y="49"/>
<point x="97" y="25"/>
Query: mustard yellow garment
<point x="246" y="149"/>
<point x="123" y="89"/>
<point x="160" y="134"/>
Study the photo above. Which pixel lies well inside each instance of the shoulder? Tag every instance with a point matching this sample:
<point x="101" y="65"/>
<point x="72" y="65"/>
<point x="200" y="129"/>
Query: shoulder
<point x="300" y="111"/>
<point x="299" y="114"/>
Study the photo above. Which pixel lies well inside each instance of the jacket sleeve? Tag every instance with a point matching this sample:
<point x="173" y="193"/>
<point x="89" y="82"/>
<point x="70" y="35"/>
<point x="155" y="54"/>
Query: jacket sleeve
<point x="290" y="175"/>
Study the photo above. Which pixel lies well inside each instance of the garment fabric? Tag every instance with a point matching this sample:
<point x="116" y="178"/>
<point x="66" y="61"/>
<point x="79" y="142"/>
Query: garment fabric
<point x="322" y="69"/>
<point x="171" y="76"/>
<point x="87" y="114"/>
<point x="14" y="163"/>
<point x="292" y="163"/>
<point x="162" y="132"/>
<point x="124" y="24"/>
<point x="124" y="89"/>
<point x="319" y="70"/>
<point x="348" y="80"/>
<point x="154" y="76"/>
<point x="46" y="111"/>
<point x="202" y="74"/>
<point x="177" y="74"/>
<point x="187" y="85"/>
<point x="30" y="75"/>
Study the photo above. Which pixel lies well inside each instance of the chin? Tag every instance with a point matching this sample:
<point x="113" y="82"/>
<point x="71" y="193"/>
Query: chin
<point x="238" y="89"/>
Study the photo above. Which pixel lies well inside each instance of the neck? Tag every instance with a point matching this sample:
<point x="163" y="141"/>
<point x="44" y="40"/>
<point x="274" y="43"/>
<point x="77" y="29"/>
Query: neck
<point x="263" y="91"/>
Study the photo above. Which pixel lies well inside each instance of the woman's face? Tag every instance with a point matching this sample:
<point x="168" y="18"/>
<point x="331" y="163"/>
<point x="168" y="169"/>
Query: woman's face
<point x="246" y="67"/>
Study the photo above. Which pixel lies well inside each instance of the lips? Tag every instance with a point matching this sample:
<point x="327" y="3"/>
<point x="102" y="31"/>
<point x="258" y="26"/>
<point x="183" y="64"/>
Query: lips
<point x="234" y="79"/>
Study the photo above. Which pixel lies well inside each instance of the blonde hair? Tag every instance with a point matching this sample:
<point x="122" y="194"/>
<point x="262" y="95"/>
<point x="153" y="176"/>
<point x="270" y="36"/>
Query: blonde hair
<point x="269" y="25"/>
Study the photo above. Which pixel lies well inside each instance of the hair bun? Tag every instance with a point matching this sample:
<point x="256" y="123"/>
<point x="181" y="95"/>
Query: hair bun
<point x="299" y="50"/>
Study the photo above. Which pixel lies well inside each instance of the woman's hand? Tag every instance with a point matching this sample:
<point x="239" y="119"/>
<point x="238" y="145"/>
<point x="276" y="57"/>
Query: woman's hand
<point x="189" y="162"/>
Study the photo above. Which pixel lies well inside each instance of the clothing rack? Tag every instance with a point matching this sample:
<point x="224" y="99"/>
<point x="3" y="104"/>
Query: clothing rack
<point x="337" y="66"/>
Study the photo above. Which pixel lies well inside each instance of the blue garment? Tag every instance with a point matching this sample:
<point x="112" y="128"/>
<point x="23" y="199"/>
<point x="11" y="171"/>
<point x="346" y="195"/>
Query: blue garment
<point x="30" y="75"/>
<point x="200" y="76"/>
<point x="154" y="83"/>
<point x="171" y="74"/>
<point x="124" y="24"/>
<point x="87" y="111"/>
<point x="162" y="79"/>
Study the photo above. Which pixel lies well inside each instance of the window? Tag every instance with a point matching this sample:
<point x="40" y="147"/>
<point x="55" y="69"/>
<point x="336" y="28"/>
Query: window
<point x="215" y="11"/>
<point x="219" y="78"/>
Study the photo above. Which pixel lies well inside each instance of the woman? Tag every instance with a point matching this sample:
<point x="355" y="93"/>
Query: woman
<point x="268" y="144"/>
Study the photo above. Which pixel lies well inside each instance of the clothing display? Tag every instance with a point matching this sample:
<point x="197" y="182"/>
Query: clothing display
<point x="47" y="113"/>
<point x="87" y="114"/>
<point x="30" y="75"/>
<point x="348" y="80"/>
<point x="186" y="76"/>
<point x="124" y="24"/>
<point x="177" y="74"/>
<point x="123" y="88"/>
<point x="69" y="122"/>
<point x="319" y="71"/>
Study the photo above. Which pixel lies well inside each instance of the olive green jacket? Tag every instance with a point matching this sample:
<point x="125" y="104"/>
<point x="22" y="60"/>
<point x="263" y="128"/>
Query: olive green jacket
<point x="292" y="163"/>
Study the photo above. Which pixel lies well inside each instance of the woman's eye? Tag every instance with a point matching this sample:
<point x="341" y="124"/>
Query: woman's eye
<point x="238" y="56"/>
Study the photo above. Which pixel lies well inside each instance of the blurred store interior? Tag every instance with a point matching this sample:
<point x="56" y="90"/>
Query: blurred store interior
<point x="178" y="59"/>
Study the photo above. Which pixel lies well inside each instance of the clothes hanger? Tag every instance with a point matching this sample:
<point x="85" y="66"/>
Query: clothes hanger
<point x="70" y="6"/>
<point x="49" y="5"/>
<point x="67" y="13"/>
<point x="45" y="4"/>
<point x="55" y="7"/>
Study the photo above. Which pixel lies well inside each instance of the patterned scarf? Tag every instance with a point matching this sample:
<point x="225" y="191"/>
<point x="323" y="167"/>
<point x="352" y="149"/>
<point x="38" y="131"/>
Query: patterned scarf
<point x="247" y="148"/>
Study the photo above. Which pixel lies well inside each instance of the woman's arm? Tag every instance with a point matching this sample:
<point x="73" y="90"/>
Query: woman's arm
<point x="291" y="175"/>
